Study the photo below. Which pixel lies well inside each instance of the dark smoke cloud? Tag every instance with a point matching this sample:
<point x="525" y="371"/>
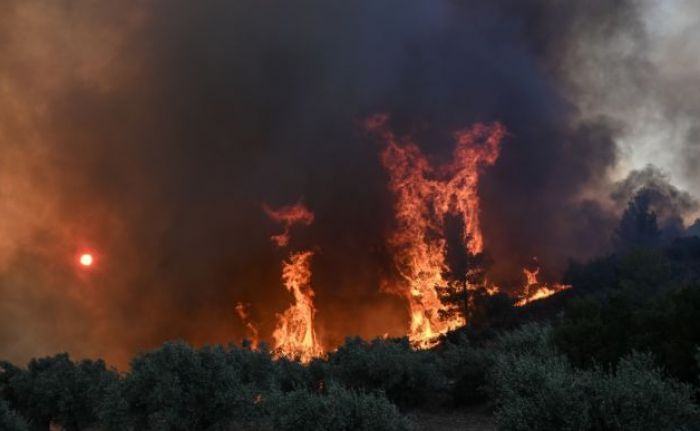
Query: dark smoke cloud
<point x="153" y="132"/>
<point x="670" y="204"/>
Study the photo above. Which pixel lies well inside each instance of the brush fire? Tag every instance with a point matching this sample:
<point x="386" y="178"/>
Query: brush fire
<point x="424" y="195"/>
<point x="295" y="175"/>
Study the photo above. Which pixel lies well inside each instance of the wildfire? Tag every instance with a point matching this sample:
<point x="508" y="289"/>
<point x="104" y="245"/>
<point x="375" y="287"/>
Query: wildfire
<point x="424" y="195"/>
<point x="294" y="334"/>
<point x="535" y="290"/>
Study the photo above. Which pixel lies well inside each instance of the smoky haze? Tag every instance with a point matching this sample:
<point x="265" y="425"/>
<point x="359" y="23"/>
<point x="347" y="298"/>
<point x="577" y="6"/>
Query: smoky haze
<point x="154" y="132"/>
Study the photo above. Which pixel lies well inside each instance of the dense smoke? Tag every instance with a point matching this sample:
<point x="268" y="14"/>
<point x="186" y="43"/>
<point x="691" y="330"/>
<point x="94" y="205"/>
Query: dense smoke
<point x="669" y="204"/>
<point x="153" y="132"/>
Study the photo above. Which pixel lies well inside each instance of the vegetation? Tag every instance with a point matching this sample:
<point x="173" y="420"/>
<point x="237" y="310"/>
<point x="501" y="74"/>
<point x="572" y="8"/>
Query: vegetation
<point x="619" y="351"/>
<point x="538" y="389"/>
<point x="9" y="420"/>
<point x="339" y="409"/>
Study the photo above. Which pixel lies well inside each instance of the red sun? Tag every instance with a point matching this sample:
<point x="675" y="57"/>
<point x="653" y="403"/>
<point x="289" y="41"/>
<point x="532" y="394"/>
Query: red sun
<point x="86" y="260"/>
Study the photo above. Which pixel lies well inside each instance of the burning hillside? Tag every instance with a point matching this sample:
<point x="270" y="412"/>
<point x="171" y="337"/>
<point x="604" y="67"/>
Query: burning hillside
<point x="139" y="142"/>
<point x="424" y="196"/>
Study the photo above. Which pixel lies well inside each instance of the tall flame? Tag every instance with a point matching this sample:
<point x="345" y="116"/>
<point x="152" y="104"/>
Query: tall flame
<point x="424" y="195"/>
<point x="294" y="334"/>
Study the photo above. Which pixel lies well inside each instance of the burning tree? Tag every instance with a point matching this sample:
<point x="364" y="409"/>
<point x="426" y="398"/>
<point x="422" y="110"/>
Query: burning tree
<point x="425" y="195"/>
<point x="465" y="277"/>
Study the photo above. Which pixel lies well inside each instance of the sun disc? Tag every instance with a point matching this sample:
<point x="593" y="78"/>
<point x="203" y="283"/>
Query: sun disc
<point x="86" y="259"/>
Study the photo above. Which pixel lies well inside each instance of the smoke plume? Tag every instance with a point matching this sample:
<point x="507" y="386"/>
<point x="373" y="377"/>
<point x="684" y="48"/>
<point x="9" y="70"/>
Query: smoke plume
<point x="152" y="132"/>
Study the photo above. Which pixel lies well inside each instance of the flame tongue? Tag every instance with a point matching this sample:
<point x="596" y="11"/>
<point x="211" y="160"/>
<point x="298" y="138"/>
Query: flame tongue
<point x="288" y="216"/>
<point x="424" y="196"/>
<point x="535" y="290"/>
<point x="294" y="335"/>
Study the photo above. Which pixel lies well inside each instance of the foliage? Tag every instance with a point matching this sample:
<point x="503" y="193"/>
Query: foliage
<point x="291" y="375"/>
<point x="644" y="299"/>
<point x="338" y="410"/>
<point x="56" y="389"/>
<point x="408" y="377"/>
<point x="465" y="367"/>
<point x="602" y="331"/>
<point x="540" y="392"/>
<point x="638" y="397"/>
<point x="180" y="388"/>
<point x="638" y="226"/>
<point x="9" y="420"/>
<point x="532" y="386"/>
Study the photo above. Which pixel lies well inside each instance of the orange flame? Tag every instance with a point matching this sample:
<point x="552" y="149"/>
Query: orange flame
<point x="294" y="335"/>
<point x="424" y="196"/>
<point x="534" y="290"/>
<point x="288" y="216"/>
<point x="244" y="315"/>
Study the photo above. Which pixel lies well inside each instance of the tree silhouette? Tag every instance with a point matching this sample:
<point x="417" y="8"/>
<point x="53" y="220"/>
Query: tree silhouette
<point x="638" y="226"/>
<point x="465" y="275"/>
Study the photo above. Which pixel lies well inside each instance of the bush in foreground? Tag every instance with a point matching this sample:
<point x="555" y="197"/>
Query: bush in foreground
<point x="9" y="420"/>
<point x="638" y="396"/>
<point x="538" y="392"/>
<point x="465" y="366"/>
<point x="535" y="393"/>
<point x="408" y="377"/>
<point x="338" y="410"/>
<point x="180" y="388"/>
<point x="56" y="389"/>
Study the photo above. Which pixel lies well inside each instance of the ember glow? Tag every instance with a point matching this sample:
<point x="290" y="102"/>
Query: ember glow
<point x="424" y="195"/>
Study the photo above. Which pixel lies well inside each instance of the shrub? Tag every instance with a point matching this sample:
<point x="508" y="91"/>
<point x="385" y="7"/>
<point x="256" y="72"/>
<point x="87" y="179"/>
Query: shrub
<point x="465" y="367"/>
<point x="339" y="410"/>
<point x="408" y="377"/>
<point x="256" y="367"/>
<point x="56" y="389"/>
<point x="291" y="375"/>
<point x="180" y="388"/>
<point x="639" y="398"/>
<point x="540" y="393"/>
<point x="601" y="331"/>
<point x="535" y="393"/>
<point x="532" y="339"/>
<point x="9" y="420"/>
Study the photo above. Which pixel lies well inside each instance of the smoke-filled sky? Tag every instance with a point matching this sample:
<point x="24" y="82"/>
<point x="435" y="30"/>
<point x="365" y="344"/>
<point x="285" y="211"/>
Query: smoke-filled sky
<point x="151" y="133"/>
